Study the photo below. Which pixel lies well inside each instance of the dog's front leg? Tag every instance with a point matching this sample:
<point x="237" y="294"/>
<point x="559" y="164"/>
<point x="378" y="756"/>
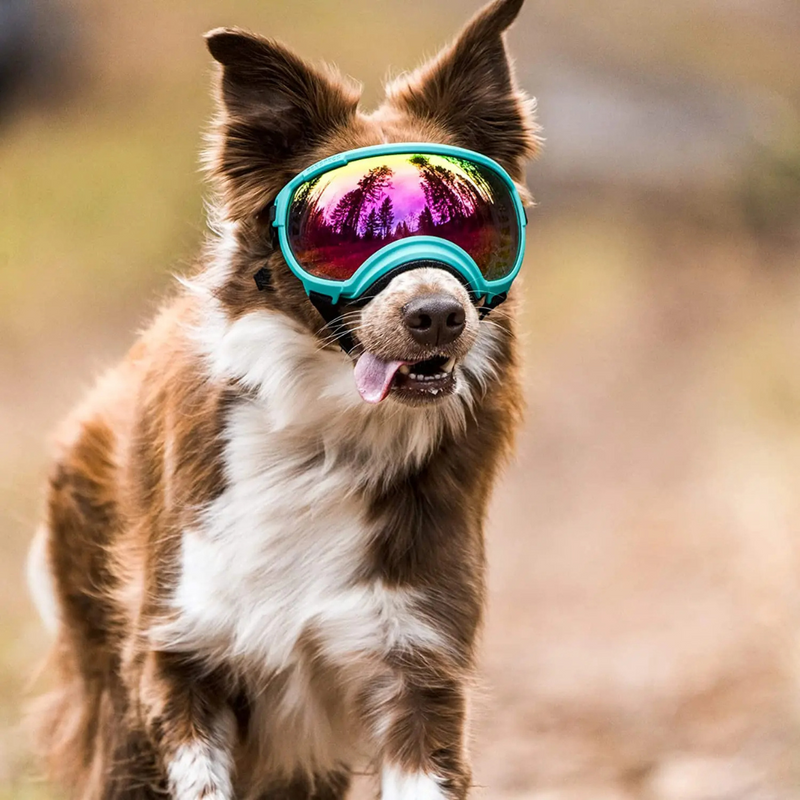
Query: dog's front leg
<point x="424" y="739"/>
<point x="190" y="725"/>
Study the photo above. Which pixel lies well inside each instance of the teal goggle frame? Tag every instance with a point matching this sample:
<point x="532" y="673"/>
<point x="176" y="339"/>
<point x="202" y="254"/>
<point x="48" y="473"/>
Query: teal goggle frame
<point x="401" y="253"/>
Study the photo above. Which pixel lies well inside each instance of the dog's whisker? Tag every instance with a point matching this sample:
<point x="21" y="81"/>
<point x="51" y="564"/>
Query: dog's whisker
<point x="336" y="337"/>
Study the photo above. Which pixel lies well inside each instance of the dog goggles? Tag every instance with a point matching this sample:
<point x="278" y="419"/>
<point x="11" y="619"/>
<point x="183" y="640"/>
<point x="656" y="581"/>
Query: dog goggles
<point x="348" y="223"/>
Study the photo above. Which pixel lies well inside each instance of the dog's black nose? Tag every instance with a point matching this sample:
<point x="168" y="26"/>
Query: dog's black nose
<point x="434" y="319"/>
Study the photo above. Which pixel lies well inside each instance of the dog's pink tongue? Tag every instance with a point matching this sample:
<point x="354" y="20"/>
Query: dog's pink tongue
<point x="374" y="376"/>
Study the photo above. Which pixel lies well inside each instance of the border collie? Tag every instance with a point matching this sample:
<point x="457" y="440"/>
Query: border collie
<point x="257" y="581"/>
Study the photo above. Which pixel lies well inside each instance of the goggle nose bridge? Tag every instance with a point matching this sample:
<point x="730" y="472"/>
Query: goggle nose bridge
<point x="330" y="311"/>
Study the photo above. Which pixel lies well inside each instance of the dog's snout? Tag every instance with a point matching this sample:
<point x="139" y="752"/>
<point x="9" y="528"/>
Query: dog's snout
<point x="434" y="319"/>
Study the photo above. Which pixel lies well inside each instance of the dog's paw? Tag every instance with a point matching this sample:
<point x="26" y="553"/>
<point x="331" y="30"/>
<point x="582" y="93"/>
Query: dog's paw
<point x="399" y="785"/>
<point x="199" y="771"/>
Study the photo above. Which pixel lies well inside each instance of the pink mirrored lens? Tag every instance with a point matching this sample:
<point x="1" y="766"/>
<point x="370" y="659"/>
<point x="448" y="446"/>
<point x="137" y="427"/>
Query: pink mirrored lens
<point x="340" y="218"/>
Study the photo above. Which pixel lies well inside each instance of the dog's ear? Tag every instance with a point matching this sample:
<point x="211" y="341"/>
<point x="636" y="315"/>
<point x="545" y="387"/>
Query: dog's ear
<point x="274" y="107"/>
<point x="469" y="90"/>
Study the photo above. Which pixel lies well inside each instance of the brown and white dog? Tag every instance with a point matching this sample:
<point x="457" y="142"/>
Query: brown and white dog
<point x="256" y="580"/>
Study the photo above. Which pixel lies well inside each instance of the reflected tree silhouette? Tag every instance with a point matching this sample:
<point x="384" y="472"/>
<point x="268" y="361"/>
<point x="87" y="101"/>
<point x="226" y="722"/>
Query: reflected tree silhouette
<point x="371" y="225"/>
<point x="449" y="196"/>
<point x="386" y="217"/>
<point x="350" y="211"/>
<point x="452" y="200"/>
<point x="425" y="222"/>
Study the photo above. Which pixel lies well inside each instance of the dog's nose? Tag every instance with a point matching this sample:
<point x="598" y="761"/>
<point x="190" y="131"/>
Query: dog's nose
<point x="434" y="319"/>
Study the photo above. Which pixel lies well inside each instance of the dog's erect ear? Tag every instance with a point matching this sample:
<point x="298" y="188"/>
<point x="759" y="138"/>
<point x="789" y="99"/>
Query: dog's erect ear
<point x="274" y="108"/>
<point x="469" y="90"/>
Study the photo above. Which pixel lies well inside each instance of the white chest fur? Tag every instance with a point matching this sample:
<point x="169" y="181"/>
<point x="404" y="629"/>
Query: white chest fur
<point x="278" y="558"/>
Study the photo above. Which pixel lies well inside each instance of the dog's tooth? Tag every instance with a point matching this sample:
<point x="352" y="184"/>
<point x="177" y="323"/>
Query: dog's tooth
<point x="404" y="369"/>
<point x="448" y="366"/>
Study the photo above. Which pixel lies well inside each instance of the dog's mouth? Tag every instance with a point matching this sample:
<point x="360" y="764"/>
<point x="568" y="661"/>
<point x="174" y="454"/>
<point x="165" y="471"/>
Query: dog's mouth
<point x="425" y="380"/>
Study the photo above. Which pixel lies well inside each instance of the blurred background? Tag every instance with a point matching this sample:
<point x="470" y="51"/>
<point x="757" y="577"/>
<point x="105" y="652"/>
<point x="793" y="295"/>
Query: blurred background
<point x="644" y="628"/>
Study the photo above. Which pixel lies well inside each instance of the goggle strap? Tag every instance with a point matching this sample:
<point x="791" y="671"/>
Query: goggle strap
<point x="329" y="311"/>
<point x="263" y="279"/>
<point x="483" y="311"/>
<point x="324" y="305"/>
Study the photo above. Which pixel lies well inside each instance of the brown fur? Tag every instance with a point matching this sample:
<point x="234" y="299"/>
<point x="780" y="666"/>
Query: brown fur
<point x="144" y="454"/>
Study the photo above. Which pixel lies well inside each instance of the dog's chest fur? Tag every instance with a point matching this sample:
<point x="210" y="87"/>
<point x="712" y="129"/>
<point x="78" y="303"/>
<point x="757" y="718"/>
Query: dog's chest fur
<point x="274" y="578"/>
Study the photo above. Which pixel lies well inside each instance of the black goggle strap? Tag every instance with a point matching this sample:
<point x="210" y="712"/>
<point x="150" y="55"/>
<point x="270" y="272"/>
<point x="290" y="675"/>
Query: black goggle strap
<point x="329" y="311"/>
<point x="489" y="305"/>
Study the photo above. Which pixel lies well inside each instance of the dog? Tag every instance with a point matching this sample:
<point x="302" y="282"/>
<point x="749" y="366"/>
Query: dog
<point x="256" y="580"/>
